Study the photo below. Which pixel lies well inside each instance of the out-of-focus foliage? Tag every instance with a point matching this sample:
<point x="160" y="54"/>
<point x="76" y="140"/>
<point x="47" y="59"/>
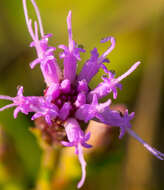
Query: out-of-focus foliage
<point x="138" y="27"/>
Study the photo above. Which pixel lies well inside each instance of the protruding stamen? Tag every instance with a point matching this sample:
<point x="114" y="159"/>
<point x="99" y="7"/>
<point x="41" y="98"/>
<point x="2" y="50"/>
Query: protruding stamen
<point x="69" y="24"/>
<point x="38" y="17"/>
<point x="36" y="30"/>
<point x="155" y="152"/>
<point x="83" y="166"/>
<point x="113" y="42"/>
<point x="132" y="68"/>
<point x="110" y="84"/>
<point x="7" y="106"/>
<point x="29" y="21"/>
<point x="6" y="98"/>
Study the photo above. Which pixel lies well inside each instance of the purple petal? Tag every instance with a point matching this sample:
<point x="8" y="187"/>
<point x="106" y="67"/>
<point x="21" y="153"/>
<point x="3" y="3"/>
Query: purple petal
<point x="114" y="93"/>
<point x="16" y="111"/>
<point x="50" y="70"/>
<point x="36" y="115"/>
<point x="65" y="110"/>
<point x="102" y="106"/>
<point x="48" y="119"/>
<point x="87" y="136"/>
<point x="73" y="130"/>
<point x="102" y="90"/>
<point x="68" y="144"/>
<point x="86" y="145"/>
<point x="50" y="51"/>
<point x="65" y="86"/>
<point x="70" y="67"/>
<point x="111" y="117"/>
<point x="63" y="47"/>
<point x="122" y="132"/>
<point x="48" y="36"/>
<point x="91" y="67"/>
<point x="53" y="91"/>
<point x="34" y="63"/>
<point x="75" y="135"/>
<point x="86" y="112"/>
<point x="82" y="86"/>
<point x="81" y="99"/>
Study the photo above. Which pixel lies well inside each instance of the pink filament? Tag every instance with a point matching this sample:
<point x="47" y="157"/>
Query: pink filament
<point x="6" y="98"/>
<point x="29" y="21"/>
<point x="132" y="68"/>
<point x="113" y="43"/>
<point x="38" y="17"/>
<point x="7" y="106"/>
<point x="69" y="24"/>
<point x="83" y="166"/>
<point x="155" y="152"/>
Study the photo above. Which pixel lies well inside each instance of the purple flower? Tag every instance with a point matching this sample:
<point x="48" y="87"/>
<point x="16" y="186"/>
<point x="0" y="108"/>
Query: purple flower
<point x="68" y="100"/>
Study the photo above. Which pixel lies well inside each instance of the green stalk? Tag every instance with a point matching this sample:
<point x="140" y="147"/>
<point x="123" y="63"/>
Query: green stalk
<point x="47" y="169"/>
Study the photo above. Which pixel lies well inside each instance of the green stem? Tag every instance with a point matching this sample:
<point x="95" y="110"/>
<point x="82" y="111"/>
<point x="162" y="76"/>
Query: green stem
<point x="48" y="165"/>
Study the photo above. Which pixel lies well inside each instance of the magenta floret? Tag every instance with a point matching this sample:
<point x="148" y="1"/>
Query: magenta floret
<point x="68" y="100"/>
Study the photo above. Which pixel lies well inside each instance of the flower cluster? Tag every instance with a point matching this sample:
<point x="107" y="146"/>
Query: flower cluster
<point x="68" y="100"/>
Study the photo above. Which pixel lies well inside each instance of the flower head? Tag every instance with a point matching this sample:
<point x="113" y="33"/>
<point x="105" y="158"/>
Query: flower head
<point x="68" y="100"/>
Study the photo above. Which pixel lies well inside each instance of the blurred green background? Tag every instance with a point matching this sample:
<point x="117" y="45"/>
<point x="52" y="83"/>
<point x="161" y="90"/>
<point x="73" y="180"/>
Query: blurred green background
<point x="138" y="26"/>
